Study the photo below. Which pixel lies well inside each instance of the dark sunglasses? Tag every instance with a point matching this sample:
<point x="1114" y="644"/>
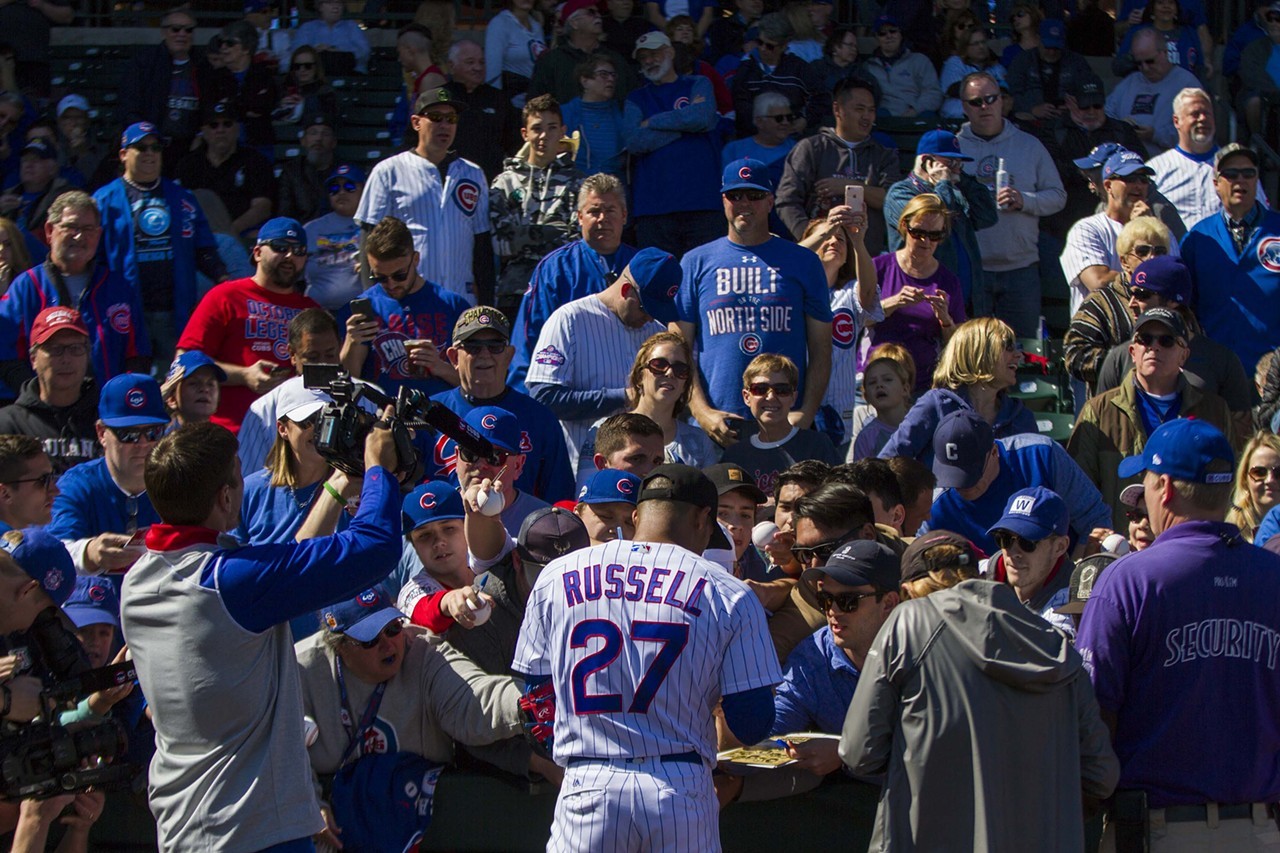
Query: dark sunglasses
<point x="1136" y="513"/>
<point x="284" y="247"/>
<point x="148" y="147"/>
<point x="1165" y="341"/>
<point x="847" y="601"/>
<point x="221" y="123"/>
<point x="1006" y="540"/>
<point x="779" y="389"/>
<point x="477" y="347"/>
<point x="1261" y="473"/>
<point x="982" y="100"/>
<point x="822" y="551"/>
<point x="392" y="630"/>
<point x="932" y="236"/>
<point x="746" y="195"/>
<point x="187" y="30"/>
<point x="1146" y="250"/>
<point x="304" y="65"/>
<point x="1248" y="173"/>
<point x="308" y="423"/>
<point x="472" y="458"/>
<point x="45" y="480"/>
<point x="1141" y="293"/>
<point x="661" y="366"/>
<point x="397" y="277"/>
<point x="784" y="118"/>
<point x="1140" y="178"/>
<point x="59" y="350"/>
<point x="438" y="118"/>
<point x="343" y="187"/>
<point x="1144" y="63"/>
<point x="134" y="435"/>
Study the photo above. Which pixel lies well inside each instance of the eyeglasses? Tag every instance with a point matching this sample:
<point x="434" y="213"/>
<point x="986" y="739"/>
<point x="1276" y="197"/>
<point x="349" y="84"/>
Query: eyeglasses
<point x="148" y="147"/>
<point x="304" y="65"/>
<point x="931" y="236"/>
<point x="746" y="195"/>
<point x="1248" y="173"/>
<point x="308" y="422"/>
<point x="779" y="389"/>
<point x="661" y="366"/>
<point x="1006" y="540"/>
<point x="784" y="118"/>
<point x="806" y="554"/>
<point x="477" y="347"/>
<point x="1136" y="513"/>
<point x="847" y="601"/>
<point x="59" y="350"/>
<point x="392" y="630"/>
<point x="221" y="124"/>
<point x="1140" y="178"/>
<point x="440" y="118"/>
<point x="472" y="458"/>
<point x="283" y="247"/>
<point x="45" y="480"/>
<point x="1165" y="341"/>
<point x="1261" y="473"/>
<point x="605" y="74"/>
<point x="343" y="187"/>
<point x="982" y="100"/>
<point x="1144" y="63"/>
<point x="1146" y="250"/>
<point x="134" y="435"/>
<point x="1141" y="293"/>
<point x="76" y="228"/>
<point x="178" y="29"/>
<point x="398" y="277"/>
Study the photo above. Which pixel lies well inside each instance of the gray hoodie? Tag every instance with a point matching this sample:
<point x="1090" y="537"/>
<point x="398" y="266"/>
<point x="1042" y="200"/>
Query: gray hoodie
<point x="983" y="721"/>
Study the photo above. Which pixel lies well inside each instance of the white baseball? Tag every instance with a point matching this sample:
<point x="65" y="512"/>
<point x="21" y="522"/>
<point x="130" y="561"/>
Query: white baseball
<point x="763" y="533"/>
<point x="310" y="731"/>
<point x="490" y="503"/>
<point x="483" y="612"/>
<point x="1116" y="544"/>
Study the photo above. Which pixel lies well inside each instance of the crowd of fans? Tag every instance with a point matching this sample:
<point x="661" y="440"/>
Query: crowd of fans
<point x="616" y="236"/>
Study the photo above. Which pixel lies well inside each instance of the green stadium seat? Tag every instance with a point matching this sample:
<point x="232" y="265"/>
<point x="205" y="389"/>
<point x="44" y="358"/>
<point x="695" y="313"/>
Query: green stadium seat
<point x="1056" y="425"/>
<point x="1036" y="393"/>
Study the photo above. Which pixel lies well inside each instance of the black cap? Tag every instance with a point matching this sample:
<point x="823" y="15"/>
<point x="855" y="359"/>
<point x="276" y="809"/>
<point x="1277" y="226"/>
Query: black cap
<point x="311" y="118"/>
<point x="225" y="108"/>
<point x="861" y="562"/>
<point x="548" y="533"/>
<point x="685" y="484"/>
<point x="728" y="477"/>
<point x="1170" y="319"/>
<point x="915" y="562"/>
<point x="1090" y="93"/>
<point x="1083" y="578"/>
<point x="437" y="97"/>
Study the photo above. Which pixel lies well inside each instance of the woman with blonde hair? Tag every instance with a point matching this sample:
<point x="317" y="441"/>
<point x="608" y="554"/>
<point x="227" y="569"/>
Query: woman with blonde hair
<point x="14" y="257"/>
<point x="978" y="367"/>
<point x="1257" y="489"/>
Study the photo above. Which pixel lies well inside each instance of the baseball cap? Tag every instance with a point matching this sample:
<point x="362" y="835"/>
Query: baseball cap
<point x="1233" y="148"/>
<point x="547" y="533"/>
<point x="72" y="102"/>
<point x="941" y="143"/>
<point x="251" y="6"/>
<point x="884" y="21"/>
<point x="1083" y="578"/>
<point x="437" y="97"/>
<point x="498" y="425"/>
<point x="685" y="484"/>
<point x="362" y="618"/>
<point x="346" y="172"/>
<point x="1184" y="449"/>
<point x="1034" y="514"/>
<point x="1053" y="34"/>
<point x="1166" y="276"/>
<point x="961" y="444"/>
<point x="93" y="601"/>
<point x="658" y="275"/>
<point x="435" y="501"/>
<point x="916" y="562"/>
<point x="225" y="108"/>
<point x="1132" y="494"/>
<point x="185" y="365"/>
<point x="41" y="148"/>
<point x="1091" y="93"/>
<point x="1124" y="163"/>
<point x="481" y="318"/>
<point x="651" y="41"/>
<point x="54" y="319"/>
<point x="728" y="476"/>
<point x="746" y="174"/>
<point x="281" y="228"/>
<point x="136" y="132"/>
<point x="314" y="118"/>
<point x="610" y="485"/>
<point x="860" y="562"/>
<point x="131" y="399"/>
<point x="44" y="558"/>
<point x="298" y="402"/>
<point x="1166" y="317"/>
<point x="571" y="8"/>
<point x="1095" y="158"/>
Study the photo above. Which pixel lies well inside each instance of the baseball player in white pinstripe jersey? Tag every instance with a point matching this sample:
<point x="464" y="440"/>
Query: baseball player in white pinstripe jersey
<point x="443" y="198"/>
<point x="641" y="639"/>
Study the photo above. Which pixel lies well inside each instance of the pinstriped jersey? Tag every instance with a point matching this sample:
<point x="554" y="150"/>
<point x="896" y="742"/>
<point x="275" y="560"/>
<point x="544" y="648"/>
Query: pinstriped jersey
<point x="641" y="641"/>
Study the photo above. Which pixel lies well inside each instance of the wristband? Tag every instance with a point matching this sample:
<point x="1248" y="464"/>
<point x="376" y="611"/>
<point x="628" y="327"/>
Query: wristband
<point x="334" y="493"/>
<point x="8" y="700"/>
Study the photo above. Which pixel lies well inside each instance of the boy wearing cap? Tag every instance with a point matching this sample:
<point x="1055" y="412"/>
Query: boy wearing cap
<point x="191" y="388"/>
<point x="94" y="609"/>
<point x="606" y="505"/>
<point x="1116" y="423"/>
<point x="434" y="576"/>
<point x="333" y="241"/>
<point x="155" y="233"/>
<point x="1194" y="616"/>
<point x="1032" y="536"/>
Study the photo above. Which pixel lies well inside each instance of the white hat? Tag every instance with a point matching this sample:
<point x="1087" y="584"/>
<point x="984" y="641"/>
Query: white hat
<point x="651" y="41"/>
<point x="297" y="402"/>
<point x="73" y="102"/>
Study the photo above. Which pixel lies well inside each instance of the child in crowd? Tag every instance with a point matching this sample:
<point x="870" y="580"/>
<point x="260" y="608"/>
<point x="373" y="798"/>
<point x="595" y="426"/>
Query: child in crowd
<point x="886" y="385"/>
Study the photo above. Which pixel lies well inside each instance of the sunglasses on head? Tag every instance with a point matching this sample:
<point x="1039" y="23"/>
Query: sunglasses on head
<point x="784" y="118"/>
<point x="45" y="480"/>
<point x="1261" y="473"/>
<point x="847" y="602"/>
<point x="982" y="100"/>
<point x="439" y="118"/>
<point x="805" y="554"/>
<point x="398" y="277"/>
<point x="133" y="435"/>
<point x="932" y="236"/>
<point x="341" y="187"/>
<point x="392" y="630"/>
<point x="477" y="347"/>
<point x="1246" y="172"/>
<point x="181" y="29"/>
<point x="1146" y="250"/>
<point x="1165" y="341"/>
<point x="746" y="195"/>
<point x="779" y="389"/>
<point x="1006" y="540"/>
<point x="661" y="367"/>
<point x="284" y="247"/>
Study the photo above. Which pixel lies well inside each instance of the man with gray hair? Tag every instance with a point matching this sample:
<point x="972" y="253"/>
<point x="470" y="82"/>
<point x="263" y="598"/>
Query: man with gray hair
<point x="1145" y="97"/>
<point x="770" y="68"/>
<point x="487" y="127"/>
<point x="1185" y="172"/>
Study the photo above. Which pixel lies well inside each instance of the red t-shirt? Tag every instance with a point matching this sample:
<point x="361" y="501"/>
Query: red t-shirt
<point x="240" y="323"/>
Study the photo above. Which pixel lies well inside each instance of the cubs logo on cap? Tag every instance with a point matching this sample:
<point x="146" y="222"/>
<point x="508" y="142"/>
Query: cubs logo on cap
<point x="746" y="174"/>
<point x="368" y="598"/>
<point x="428" y="501"/>
<point x="44" y="559"/>
<point x="437" y="500"/>
<point x="131" y="399"/>
<point x="498" y="425"/>
<point x="610" y="485"/>
<point x="137" y="132"/>
<point x="281" y="228"/>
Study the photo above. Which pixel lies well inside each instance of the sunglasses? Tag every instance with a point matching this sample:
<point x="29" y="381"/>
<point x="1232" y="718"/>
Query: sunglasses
<point x="888" y="31"/>
<point x="1132" y="179"/>
<point x="746" y="195"/>
<point x="134" y="435"/>
<point x="779" y="389"/>
<point x="343" y="187"/>
<point x="982" y="100"/>
<point x="472" y="458"/>
<point x="931" y="236"/>
<point x="1261" y="473"/>
<point x="47" y="479"/>
<point x="1146" y="250"/>
<point x="308" y="423"/>
<point x="1165" y="341"/>
<point x="477" y="347"/>
<point x="397" y="277"/>
<point x="392" y="630"/>
<point x="1006" y="540"/>
<point x="847" y="602"/>
<point x="1136" y="513"/>
<point x="220" y="124"/>
<point x="804" y="554"/>
<point x="187" y="30"/>
<point x="440" y="118"/>
<point x="304" y="65"/>
<point x="661" y="367"/>
<point x="1141" y="293"/>
<point x="1248" y="173"/>
<point x="148" y="147"/>
<point x="605" y="74"/>
<point x="59" y="350"/>
<point x="284" y="247"/>
<point x="1144" y="63"/>
<point x="784" y="118"/>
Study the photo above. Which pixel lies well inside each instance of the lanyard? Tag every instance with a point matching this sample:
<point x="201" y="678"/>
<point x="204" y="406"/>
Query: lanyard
<point x="366" y="719"/>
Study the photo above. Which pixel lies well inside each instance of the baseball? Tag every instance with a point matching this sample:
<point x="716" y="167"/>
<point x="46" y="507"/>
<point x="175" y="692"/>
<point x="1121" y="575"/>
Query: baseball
<point x="490" y="503"/>
<point x="763" y="533"/>
<point x="1116" y="544"/>
<point x="310" y="731"/>
<point x="483" y="612"/>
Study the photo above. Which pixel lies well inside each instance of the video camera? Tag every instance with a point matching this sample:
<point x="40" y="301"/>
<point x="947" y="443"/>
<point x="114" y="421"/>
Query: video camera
<point x="344" y="424"/>
<point x="44" y="759"/>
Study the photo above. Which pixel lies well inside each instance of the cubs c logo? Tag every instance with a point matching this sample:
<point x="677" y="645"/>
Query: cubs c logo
<point x="97" y="593"/>
<point x="427" y="501"/>
<point x="154" y="221"/>
<point x="368" y="598"/>
<point x="671" y="294"/>
<point x="680" y="103"/>
<point x="626" y="487"/>
<point x="136" y="398"/>
<point x="842" y="328"/>
<point x="281" y="351"/>
<point x="489" y="421"/>
<point x="536" y="49"/>
<point x="526" y="444"/>
<point x="120" y="318"/>
<point x="52" y="580"/>
<point x="1269" y="253"/>
<point x="987" y="166"/>
<point x="745" y="173"/>
<point x="1140" y="278"/>
<point x="750" y="344"/>
<point x="466" y="195"/>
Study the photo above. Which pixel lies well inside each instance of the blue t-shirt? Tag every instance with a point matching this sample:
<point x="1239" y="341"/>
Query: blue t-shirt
<point x="748" y="300"/>
<point x="817" y="687"/>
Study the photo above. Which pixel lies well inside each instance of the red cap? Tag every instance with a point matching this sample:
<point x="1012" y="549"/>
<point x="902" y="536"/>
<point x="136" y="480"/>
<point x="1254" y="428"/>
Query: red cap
<point x="567" y="10"/>
<point x="54" y="319"/>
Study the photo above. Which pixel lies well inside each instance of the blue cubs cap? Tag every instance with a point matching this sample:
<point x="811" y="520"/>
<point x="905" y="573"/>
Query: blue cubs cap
<point x="884" y="21"/>
<point x="961" y="444"/>
<point x="1095" y="158"/>
<point x="1034" y="514"/>
<point x="1053" y="34"/>
<point x="859" y="563"/>
<point x="941" y="143"/>
<point x="131" y="399"/>
<point x="385" y="801"/>
<point x="136" y="132"/>
<point x="93" y="601"/>
<point x="609" y="486"/>
<point x="1124" y="163"/>
<point x="41" y="148"/>
<point x="44" y="558"/>
<point x="188" y="363"/>
<point x="498" y="425"/>
<point x="435" y="501"/>
<point x="746" y="174"/>
<point x="346" y="172"/>
<point x="362" y="618"/>
<point x="1184" y="449"/>
<point x="281" y="228"/>
<point x="658" y="275"/>
<point x="1165" y="276"/>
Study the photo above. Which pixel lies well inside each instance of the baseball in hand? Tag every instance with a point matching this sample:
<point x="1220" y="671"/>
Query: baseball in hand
<point x="310" y="731"/>
<point x="1116" y="544"/>
<point x="483" y="612"/>
<point x="763" y="534"/>
<point x="490" y="503"/>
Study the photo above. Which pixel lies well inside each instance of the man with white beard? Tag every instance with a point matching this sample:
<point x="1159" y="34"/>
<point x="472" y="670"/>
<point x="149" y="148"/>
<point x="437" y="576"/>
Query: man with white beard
<point x="675" y="154"/>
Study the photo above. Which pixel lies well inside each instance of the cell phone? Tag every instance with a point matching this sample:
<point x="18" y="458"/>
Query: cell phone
<point x="281" y="369"/>
<point x="735" y="424"/>
<point x="361" y="305"/>
<point x="854" y="196"/>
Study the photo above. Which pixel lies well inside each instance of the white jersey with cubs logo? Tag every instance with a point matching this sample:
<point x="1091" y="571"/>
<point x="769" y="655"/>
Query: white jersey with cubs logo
<point x="641" y="641"/>
<point x="443" y="215"/>
<point x="848" y="319"/>
<point x="585" y="348"/>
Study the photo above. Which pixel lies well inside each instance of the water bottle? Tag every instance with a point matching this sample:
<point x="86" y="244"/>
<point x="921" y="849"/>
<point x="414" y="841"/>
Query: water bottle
<point x="1002" y="179"/>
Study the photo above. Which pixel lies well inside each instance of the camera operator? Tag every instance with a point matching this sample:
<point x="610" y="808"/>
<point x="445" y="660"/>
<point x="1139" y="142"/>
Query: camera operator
<point x="207" y="623"/>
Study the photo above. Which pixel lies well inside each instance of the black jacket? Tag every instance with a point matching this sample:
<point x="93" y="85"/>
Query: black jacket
<point x="68" y="433"/>
<point x="144" y="90"/>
